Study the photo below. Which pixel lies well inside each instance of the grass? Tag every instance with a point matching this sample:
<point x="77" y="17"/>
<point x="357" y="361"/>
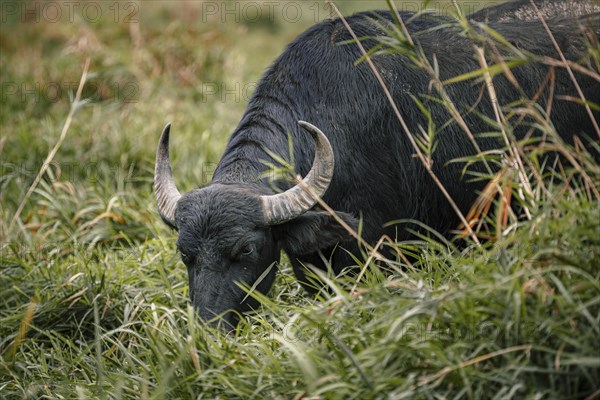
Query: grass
<point x="94" y="300"/>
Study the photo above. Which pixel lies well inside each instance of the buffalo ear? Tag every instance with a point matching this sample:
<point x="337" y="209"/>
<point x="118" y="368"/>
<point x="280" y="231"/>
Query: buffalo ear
<point x="313" y="231"/>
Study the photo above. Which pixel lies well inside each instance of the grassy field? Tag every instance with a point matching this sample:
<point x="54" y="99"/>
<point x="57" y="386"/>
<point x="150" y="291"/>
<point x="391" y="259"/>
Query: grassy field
<point x="94" y="298"/>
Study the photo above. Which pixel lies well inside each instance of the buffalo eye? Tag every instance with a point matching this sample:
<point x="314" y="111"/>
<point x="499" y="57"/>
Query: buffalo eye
<point x="247" y="250"/>
<point x="243" y="251"/>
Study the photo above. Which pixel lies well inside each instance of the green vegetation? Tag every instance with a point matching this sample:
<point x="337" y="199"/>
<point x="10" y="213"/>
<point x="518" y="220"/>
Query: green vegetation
<point x="94" y="299"/>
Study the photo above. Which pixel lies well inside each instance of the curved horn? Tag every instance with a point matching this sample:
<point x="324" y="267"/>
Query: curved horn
<point x="165" y="189"/>
<point x="282" y="207"/>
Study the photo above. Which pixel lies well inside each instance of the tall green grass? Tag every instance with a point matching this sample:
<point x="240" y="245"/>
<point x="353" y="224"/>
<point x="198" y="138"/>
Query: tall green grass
<point x="94" y="300"/>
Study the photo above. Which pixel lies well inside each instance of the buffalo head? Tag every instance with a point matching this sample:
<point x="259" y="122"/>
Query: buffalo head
<point x="232" y="234"/>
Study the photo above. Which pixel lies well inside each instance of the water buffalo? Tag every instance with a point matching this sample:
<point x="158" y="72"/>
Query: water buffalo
<point x="358" y="160"/>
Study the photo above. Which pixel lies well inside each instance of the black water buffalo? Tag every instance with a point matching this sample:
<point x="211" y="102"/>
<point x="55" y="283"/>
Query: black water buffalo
<point x="358" y="160"/>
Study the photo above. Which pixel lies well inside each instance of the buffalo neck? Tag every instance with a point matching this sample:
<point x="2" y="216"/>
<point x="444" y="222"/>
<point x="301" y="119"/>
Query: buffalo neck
<point x="248" y="156"/>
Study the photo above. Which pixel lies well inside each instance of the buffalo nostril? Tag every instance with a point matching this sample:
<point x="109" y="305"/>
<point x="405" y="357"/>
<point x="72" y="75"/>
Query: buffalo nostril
<point x="229" y="322"/>
<point x="226" y="323"/>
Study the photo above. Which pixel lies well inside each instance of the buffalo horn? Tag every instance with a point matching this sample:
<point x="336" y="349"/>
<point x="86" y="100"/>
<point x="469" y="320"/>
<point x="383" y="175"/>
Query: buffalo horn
<point x="165" y="189"/>
<point x="282" y="207"/>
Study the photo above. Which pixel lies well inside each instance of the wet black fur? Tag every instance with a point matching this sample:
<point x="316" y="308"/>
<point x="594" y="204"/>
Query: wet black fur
<point x="376" y="175"/>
